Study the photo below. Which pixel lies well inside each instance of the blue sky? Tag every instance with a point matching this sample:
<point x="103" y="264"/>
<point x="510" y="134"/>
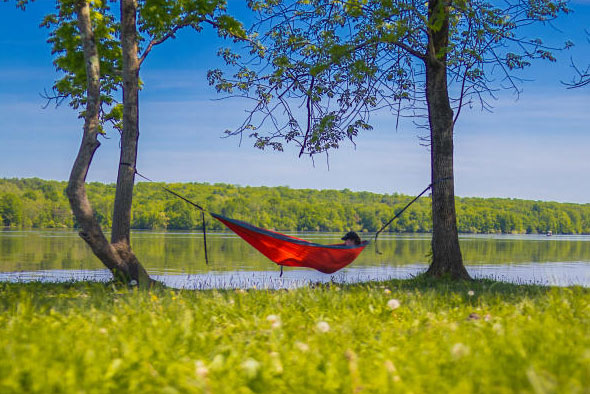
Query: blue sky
<point x="534" y="147"/>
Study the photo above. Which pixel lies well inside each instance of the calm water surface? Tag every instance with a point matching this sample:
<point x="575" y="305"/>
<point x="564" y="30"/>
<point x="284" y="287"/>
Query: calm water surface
<point x="177" y="259"/>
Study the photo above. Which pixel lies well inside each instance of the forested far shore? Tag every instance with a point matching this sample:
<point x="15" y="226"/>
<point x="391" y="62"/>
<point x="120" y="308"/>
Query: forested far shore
<point x="37" y="203"/>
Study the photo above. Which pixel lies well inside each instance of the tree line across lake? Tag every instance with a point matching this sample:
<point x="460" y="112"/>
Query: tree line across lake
<point x="37" y="203"/>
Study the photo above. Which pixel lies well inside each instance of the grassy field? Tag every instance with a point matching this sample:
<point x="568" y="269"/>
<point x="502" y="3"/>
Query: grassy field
<point x="409" y="336"/>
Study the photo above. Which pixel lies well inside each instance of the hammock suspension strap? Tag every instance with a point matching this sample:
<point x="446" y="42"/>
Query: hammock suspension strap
<point x="404" y="208"/>
<point x="186" y="200"/>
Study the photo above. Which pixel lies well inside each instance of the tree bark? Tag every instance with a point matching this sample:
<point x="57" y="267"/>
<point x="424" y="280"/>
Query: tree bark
<point x="119" y="260"/>
<point x="129" y="137"/>
<point x="446" y="253"/>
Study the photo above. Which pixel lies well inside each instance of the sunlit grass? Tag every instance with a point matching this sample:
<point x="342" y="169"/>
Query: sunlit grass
<point x="397" y="336"/>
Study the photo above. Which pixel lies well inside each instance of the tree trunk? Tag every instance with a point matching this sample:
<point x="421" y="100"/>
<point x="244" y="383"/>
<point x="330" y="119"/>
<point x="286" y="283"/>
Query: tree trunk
<point x="446" y="253"/>
<point x="119" y="260"/>
<point x="127" y="161"/>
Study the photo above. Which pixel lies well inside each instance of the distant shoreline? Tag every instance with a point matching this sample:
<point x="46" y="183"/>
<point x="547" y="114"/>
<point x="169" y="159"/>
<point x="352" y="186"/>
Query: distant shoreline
<point x="35" y="203"/>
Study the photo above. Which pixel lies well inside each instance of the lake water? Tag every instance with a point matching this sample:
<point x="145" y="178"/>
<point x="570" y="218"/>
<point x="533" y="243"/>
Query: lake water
<point x="177" y="259"/>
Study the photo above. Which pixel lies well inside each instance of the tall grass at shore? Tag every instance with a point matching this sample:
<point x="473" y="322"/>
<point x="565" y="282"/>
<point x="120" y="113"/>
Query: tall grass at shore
<point x="397" y="336"/>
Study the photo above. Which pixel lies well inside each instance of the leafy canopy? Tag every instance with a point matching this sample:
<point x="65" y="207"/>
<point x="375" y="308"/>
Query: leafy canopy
<point x="158" y="20"/>
<point x="322" y="66"/>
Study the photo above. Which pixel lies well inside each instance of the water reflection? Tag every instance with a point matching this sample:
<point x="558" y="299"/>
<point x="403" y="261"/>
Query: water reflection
<point x="177" y="259"/>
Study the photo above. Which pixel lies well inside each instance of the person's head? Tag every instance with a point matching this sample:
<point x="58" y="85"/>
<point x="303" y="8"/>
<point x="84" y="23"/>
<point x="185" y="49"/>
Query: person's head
<point x="351" y="238"/>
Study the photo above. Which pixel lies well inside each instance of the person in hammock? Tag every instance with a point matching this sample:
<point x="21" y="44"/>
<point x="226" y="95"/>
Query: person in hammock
<point x="351" y="239"/>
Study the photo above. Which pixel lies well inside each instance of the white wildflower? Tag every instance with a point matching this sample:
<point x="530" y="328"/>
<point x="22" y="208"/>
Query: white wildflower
<point x="200" y="369"/>
<point x="323" y="327"/>
<point x="251" y="367"/>
<point x="393" y="304"/>
<point x="459" y="350"/>
<point x="274" y="320"/>
<point x="471" y="293"/>
<point x="304" y="347"/>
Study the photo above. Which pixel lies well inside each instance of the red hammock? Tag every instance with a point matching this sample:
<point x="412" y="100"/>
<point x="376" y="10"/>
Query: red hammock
<point x="294" y="252"/>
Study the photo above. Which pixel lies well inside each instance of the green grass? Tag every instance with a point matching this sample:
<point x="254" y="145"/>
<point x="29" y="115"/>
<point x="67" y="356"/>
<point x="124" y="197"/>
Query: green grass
<point x="480" y="336"/>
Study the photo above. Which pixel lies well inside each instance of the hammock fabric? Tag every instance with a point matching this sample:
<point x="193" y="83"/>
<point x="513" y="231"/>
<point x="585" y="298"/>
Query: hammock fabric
<point x="294" y="252"/>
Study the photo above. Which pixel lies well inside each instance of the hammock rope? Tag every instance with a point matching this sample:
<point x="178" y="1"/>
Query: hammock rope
<point x="398" y="214"/>
<point x="186" y="200"/>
